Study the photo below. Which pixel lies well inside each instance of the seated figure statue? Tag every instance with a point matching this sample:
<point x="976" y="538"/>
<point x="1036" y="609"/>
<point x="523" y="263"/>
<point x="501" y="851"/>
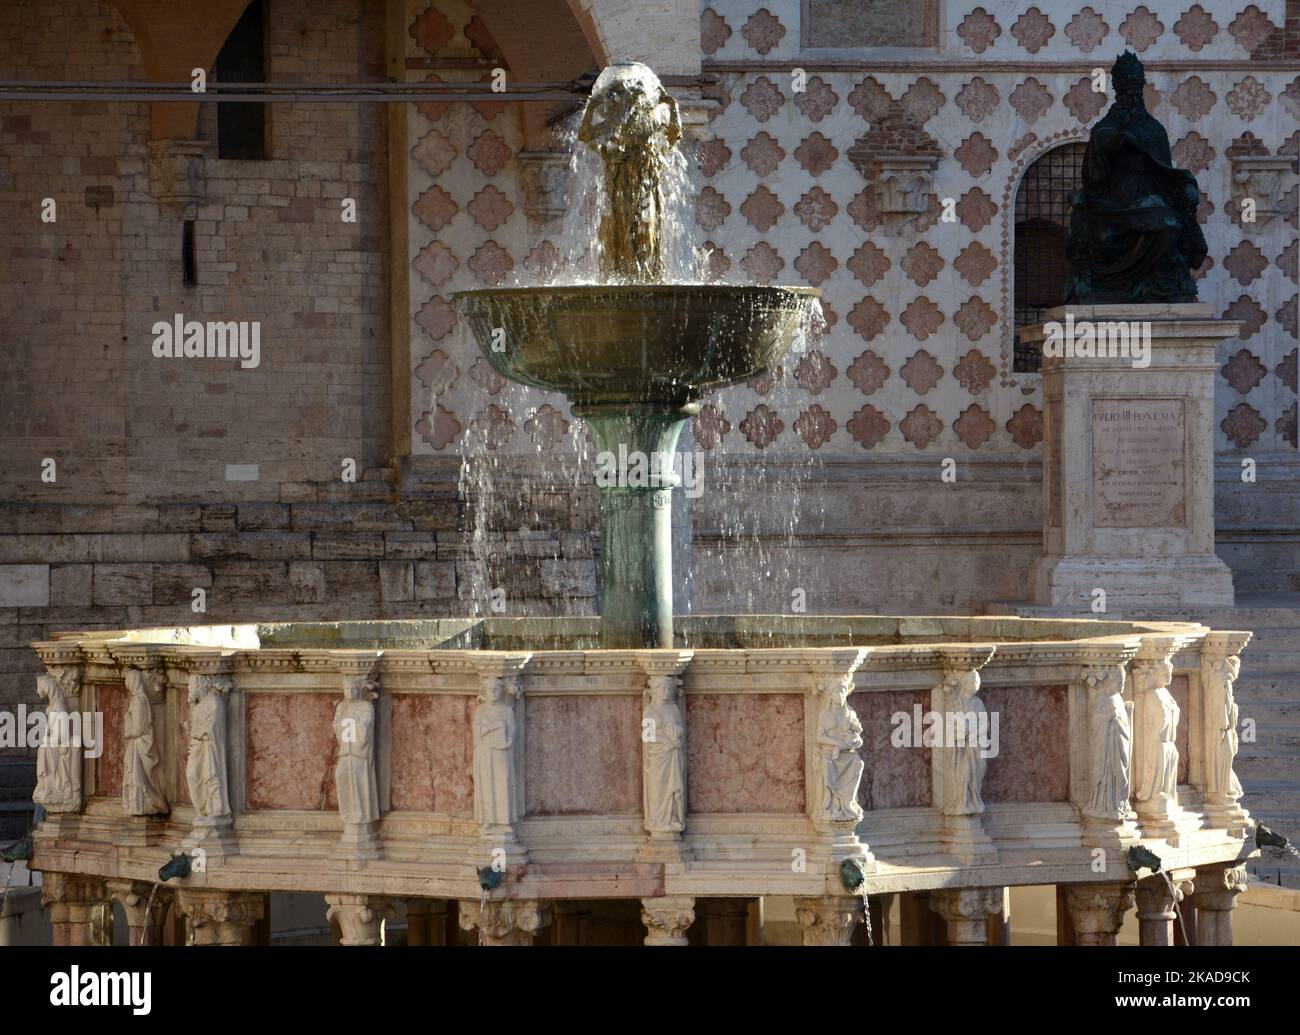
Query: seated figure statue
<point x="1133" y="235"/>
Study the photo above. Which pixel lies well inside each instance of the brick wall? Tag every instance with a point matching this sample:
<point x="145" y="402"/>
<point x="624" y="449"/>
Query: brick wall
<point x="141" y="513"/>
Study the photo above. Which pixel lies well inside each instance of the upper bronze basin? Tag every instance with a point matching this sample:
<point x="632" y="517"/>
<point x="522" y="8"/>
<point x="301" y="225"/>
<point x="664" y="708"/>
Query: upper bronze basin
<point x="635" y="343"/>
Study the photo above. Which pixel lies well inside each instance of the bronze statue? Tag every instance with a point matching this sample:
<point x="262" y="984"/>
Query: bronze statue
<point x="1133" y="235"/>
<point x="632" y="122"/>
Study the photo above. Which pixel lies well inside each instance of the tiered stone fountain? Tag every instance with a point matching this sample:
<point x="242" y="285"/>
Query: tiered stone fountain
<point x="633" y="353"/>
<point x="506" y="771"/>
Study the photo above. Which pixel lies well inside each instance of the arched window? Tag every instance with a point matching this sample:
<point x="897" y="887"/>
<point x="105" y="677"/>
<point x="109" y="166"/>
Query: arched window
<point x="1042" y="221"/>
<point x="241" y="128"/>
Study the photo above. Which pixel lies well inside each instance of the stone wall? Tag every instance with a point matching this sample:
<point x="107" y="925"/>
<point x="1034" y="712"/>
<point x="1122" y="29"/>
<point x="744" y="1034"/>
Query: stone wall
<point x="141" y="512"/>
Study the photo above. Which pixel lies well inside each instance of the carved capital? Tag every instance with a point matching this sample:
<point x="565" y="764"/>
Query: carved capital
<point x="1156" y="898"/>
<point x="145" y="905"/>
<point x="1097" y="911"/>
<point x="80" y="909"/>
<point x="221" y="917"/>
<point x="360" y="918"/>
<point x="504" y="921"/>
<point x="1217" y="887"/>
<point x="69" y="895"/>
<point x="505" y="669"/>
<point x="966" y="912"/>
<point x="828" y="920"/>
<point x="666" y="919"/>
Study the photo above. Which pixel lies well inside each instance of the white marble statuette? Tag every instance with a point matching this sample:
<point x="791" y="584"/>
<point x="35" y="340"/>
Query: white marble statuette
<point x="58" y="758"/>
<point x="1156" y="716"/>
<point x="494" y="758"/>
<point x="963" y="763"/>
<point x="142" y="793"/>
<point x="1218" y="674"/>
<point x="1110" y="744"/>
<point x="839" y="735"/>
<point x="664" y="758"/>
<point x="354" y="774"/>
<point x="205" y="770"/>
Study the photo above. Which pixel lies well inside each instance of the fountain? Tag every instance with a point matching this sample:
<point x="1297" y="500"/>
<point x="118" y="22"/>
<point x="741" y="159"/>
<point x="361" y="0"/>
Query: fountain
<point x="633" y="353"/>
<point x="514" y="768"/>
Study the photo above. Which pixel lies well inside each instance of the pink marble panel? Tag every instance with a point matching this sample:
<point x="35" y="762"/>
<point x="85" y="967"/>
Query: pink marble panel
<point x="894" y="777"/>
<point x="1033" y="759"/>
<point x="111" y="704"/>
<point x="433" y="753"/>
<point x="745" y="753"/>
<point x="182" y="745"/>
<point x="583" y="755"/>
<point x="1180" y="690"/>
<point x="291" y="751"/>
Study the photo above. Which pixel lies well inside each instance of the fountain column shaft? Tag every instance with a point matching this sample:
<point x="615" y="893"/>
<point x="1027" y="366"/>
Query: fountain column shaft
<point x="636" y="444"/>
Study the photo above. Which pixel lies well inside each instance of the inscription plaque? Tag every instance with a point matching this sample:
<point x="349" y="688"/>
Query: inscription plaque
<point x="1138" y="463"/>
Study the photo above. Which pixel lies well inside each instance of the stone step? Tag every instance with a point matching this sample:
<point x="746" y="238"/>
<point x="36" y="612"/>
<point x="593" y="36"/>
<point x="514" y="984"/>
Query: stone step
<point x="1265" y="687"/>
<point x="1272" y="663"/>
<point x="1271" y="718"/>
<point x="1277" y="765"/>
<point x="1274" y="797"/>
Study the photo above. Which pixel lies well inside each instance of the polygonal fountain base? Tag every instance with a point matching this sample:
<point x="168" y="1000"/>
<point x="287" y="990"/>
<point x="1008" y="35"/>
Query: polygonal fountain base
<point x="739" y="789"/>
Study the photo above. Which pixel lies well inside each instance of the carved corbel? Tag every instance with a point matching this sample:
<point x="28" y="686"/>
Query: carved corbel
<point x="1259" y="183"/>
<point x="176" y="174"/>
<point x="544" y="185"/>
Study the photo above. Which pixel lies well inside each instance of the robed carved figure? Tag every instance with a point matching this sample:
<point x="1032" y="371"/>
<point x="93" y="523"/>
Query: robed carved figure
<point x="142" y="793"/>
<point x="1133" y="238"/>
<point x="205" y="766"/>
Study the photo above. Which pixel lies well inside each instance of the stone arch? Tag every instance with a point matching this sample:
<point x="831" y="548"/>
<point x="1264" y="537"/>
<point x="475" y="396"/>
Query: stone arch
<point x="174" y="39"/>
<point x="1029" y="157"/>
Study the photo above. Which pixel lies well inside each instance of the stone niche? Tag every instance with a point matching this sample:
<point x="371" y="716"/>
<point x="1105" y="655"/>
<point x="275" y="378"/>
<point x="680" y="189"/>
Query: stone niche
<point x="1129" y="458"/>
<point x="1265" y="180"/>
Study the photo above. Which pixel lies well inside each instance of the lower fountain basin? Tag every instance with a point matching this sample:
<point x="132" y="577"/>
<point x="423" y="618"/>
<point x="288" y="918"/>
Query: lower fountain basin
<point x="755" y="695"/>
<point x="662" y="343"/>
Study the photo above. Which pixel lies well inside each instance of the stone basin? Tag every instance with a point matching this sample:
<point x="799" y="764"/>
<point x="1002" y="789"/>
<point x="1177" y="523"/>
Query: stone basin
<point x="754" y="695"/>
<point x="636" y="343"/>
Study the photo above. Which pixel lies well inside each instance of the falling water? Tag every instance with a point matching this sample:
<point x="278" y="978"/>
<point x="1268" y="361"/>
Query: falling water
<point x="482" y="912"/>
<point x="866" y="916"/>
<point x="1173" y="893"/>
<point x="148" y="912"/>
<point x="528" y="492"/>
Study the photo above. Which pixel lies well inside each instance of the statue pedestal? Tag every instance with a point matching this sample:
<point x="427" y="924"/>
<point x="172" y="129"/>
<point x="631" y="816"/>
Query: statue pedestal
<point x="1128" y="458"/>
